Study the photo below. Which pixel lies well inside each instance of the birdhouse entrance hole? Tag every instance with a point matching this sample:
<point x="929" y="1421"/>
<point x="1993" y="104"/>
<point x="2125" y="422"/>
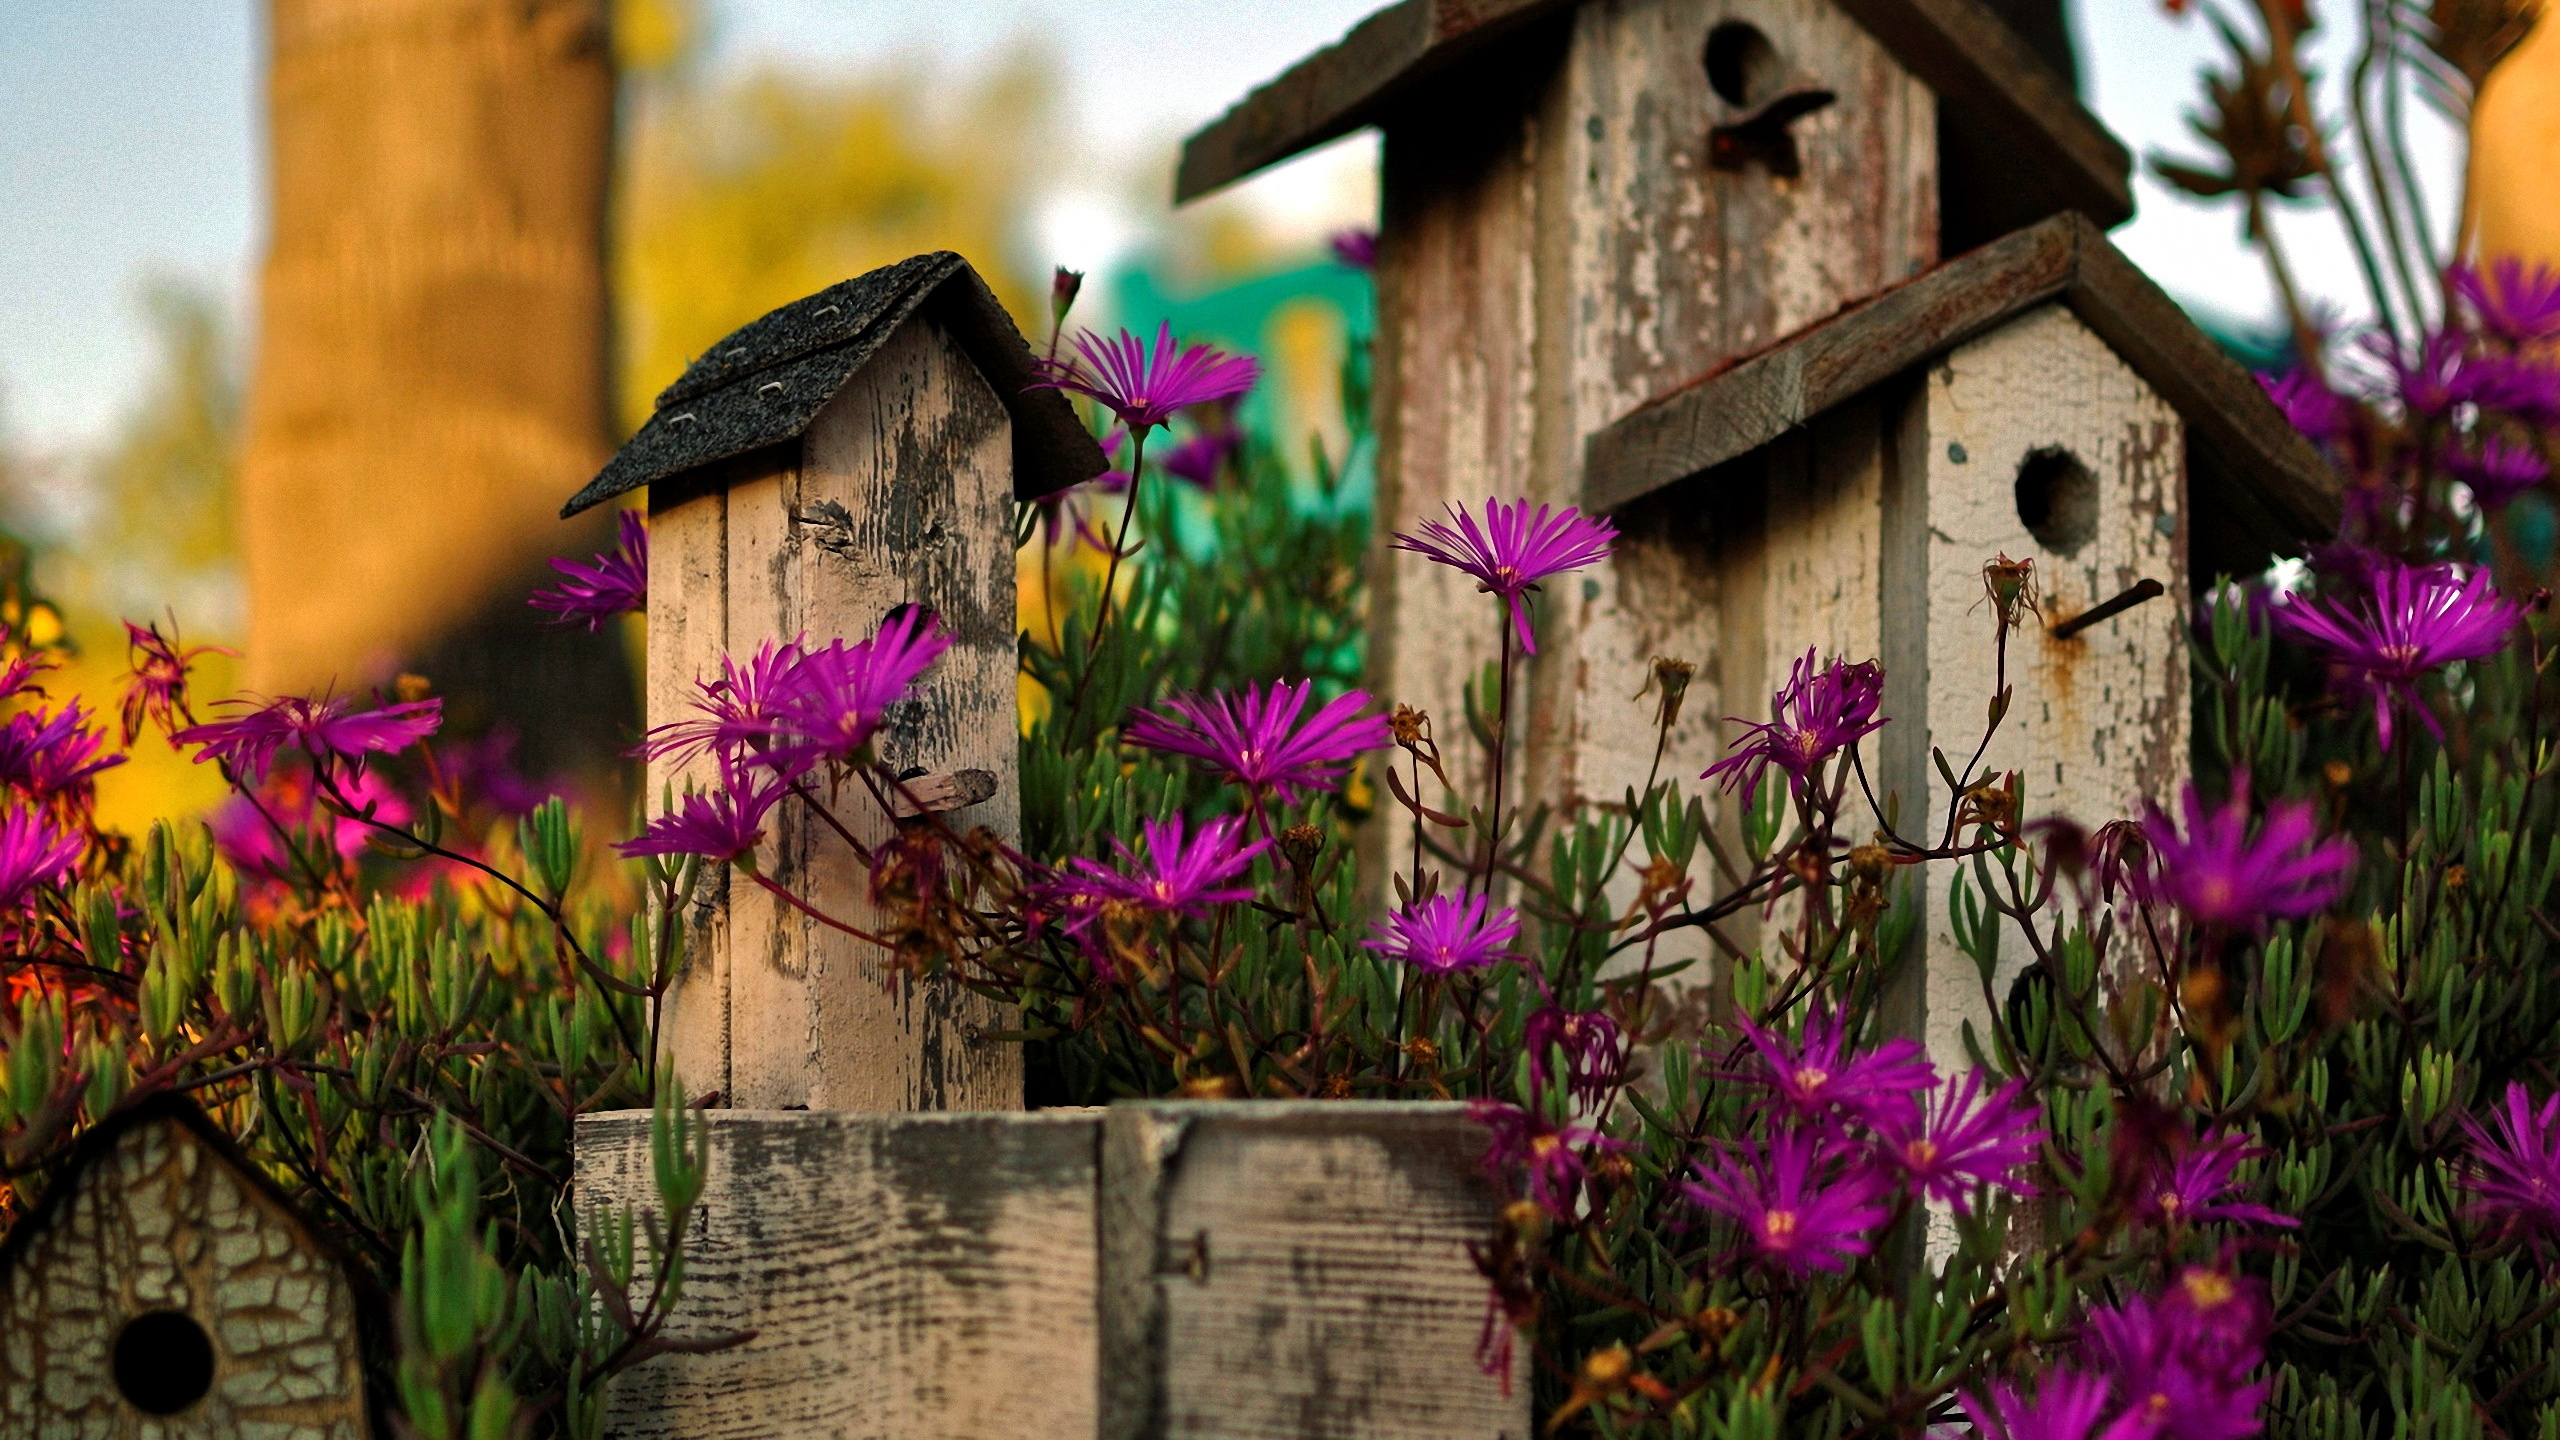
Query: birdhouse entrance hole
<point x="2057" y="499"/>
<point x="163" y="1362"/>
<point x="1742" y="66"/>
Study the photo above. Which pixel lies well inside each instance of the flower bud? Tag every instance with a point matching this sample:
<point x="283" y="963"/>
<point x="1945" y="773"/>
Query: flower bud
<point x="1063" y="288"/>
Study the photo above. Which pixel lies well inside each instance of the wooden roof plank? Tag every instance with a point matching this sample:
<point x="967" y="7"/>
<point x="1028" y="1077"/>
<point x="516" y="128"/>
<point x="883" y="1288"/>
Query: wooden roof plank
<point x="2274" y="482"/>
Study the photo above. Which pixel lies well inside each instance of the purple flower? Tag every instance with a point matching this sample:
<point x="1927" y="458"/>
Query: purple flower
<point x="1801" y="1203"/>
<point x="828" y="705"/>
<point x="1592" y="1047"/>
<point x="52" y="757"/>
<point x="614" y="583"/>
<point x="1819" y="712"/>
<point x="1200" y="458"/>
<point x="2320" y="413"/>
<point x="1144" y="388"/>
<point x="2521" y="387"/>
<point x="1968" y="1140"/>
<point x="34" y="852"/>
<point x="1513" y="550"/>
<point x="156" y="689"/>
<point x="2224" y="877"/>
<point x="323" y="729"/>
<point x="2068" y="1405"/>
<point x="2182" y="1361"/>
<point x="1547" y="1155"/>
<point x="2514" y="1167"/>
<point x="2515" y="304"/>
<point x="736" y="715"/>
<point x="2194" y="1187"/>
<point x="1256" y="739"/>
<point x="1446" y="934"/>
<point x="2497" y="472"/>
<point x="1357" y="248"/>
<point x="244" y="829"/>
<point x="1178" y="875"/>
<point x="2439" y="374"/>
<point x="720" y="825"/>
<point x="2410" y="620"/>
<point x="1819" y="1076"/>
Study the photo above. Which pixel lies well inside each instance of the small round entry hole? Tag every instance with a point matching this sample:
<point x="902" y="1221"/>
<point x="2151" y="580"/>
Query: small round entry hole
<point x="1742" y="66"/>
<point x="2057" y="500"/>
<point x="163" y="1362"/>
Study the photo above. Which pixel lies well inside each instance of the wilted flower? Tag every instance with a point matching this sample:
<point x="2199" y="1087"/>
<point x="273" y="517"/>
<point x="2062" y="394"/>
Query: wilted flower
<point x="2194" y="1186"/>
<point x="616" y="582"/>
<point x="1801" y="1201"/>
<point x="1813" y="718"/>
<point x="2224" y="874"/>
<point x="1819" y="1075"/>
<point x="1446" y="933"/>
<point x="1145" y="387"/>
<point x="2511" y="302"/>
<point x="323" y="729"/>
<point x="1547" y="1156"/>
<point x="1589" y="1041"/>
<point x="1357" y="248"/>
<point x="2497" y="472"/>
<point x="1513" y="549"/>
<point x="156" y="687"/>
<point x="1179" y="874"/>
<point x="2309" y="405"/>
<point x="34" y="852"/>
<point x="1967" y="1140"/>
<point x="828" y="705"/>
<point x="1256" y="740"/>
<point x="2408" y="621"/>
<point x="2514" y="1167"/>
<point x="721" y="824"/>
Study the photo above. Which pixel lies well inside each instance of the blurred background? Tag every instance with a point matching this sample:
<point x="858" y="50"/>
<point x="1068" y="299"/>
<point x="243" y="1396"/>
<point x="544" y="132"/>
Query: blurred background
<point x="312" y="311"/>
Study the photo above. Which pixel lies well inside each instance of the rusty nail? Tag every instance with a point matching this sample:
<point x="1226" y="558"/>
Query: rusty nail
<point x="2133" y="595"/>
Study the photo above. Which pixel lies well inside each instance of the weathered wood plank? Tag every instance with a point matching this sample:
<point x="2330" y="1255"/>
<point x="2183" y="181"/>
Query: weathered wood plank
<point x="688" y="630"/>
<point x="771" y="1022"/>
<point x="1296" y="1271"/>
<point x="905" y="1276"/>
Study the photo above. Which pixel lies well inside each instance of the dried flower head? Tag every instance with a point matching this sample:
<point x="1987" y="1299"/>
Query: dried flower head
<point x="1512" y="550"/>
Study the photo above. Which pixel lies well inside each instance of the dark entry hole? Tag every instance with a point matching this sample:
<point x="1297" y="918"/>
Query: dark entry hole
<point x="1742" y="66"/>
<point x="164" y="1362"/>
<point x="2057" y="499"/>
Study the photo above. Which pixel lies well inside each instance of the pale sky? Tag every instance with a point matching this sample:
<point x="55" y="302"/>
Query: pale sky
<point x="129" y="146"/>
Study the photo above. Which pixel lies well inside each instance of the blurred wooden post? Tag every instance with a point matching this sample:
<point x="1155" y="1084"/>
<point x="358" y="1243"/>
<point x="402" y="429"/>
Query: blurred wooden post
<point x="851" y="452"/>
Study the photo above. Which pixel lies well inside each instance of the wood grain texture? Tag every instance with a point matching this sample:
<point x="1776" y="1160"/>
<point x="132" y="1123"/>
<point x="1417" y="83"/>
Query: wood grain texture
<point x="2273" y="488"/>
<point x="906" y="1276"/>
<point x="902" y="496"/>
<point x="688" y="631"/>
<point x="158" y="1221"/>
<point x="1297" y="1270"/>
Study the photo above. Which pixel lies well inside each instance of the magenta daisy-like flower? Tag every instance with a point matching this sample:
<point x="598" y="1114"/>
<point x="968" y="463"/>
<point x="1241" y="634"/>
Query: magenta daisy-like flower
<point x="1967" y="1140"/>
<point x="828" y="704"/>
<point x="1146" y="387"/>
<point x="1547" y="1158"/>
<point x="2439" y="373"/>
<point x="2223" y="873"/>
<point x="1180" y="873"/>
<point x="721" y="825"/>
<point x="2408" y="620"/>
<point x="1513" y="549"/>
<point x="1802" y="1202"/>
<point x="1357" y="248"/>
<point x="737" y="714"/>
<point x="2496" y="472"/>
<point x="34" y="853"/>
<point x="2068" y="1405"/>
<point x="2511" y="302"/>
<point x="56" y="756"/>
<point x="1202" y="456"/>
<point x="614" y="583"/>
<point x="1257" y="740"/>
<point x="2195" y="1187"/>
<point x="2514" y="1167"/>
<point x="1819" y="713"/>
<point x="1587" y="1043"/>
<point x="1446" y="934"/>
<point x="2309" y="405"/>
<point x="1819" y="1075"/>
<point x="323" y="729"/>
<point x="2182" y="1361"/>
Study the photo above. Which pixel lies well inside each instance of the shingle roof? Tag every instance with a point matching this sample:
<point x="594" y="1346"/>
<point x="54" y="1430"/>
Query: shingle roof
<point x="766" y="382"/>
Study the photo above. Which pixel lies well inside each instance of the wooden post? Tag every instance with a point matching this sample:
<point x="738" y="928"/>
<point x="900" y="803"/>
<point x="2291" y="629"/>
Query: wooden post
<point x="1297" y="1268"/>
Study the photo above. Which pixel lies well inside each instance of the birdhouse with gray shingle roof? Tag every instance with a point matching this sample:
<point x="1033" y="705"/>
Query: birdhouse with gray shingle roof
<point x="164" y="1288"/>
<point x="848" y="453"/>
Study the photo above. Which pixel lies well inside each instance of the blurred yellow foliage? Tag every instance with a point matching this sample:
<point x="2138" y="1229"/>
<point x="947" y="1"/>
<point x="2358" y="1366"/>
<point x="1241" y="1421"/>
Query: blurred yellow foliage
<point x="740" y="194"/>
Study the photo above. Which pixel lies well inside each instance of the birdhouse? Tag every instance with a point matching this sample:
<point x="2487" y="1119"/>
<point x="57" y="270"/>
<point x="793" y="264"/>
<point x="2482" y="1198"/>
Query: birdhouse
<point x="848" y="453"/>
<point x="165" y="1288"/>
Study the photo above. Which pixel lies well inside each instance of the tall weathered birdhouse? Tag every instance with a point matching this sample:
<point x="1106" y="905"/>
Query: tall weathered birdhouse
<point x="164" y="1288"/>
<point x="845" y="454"/>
